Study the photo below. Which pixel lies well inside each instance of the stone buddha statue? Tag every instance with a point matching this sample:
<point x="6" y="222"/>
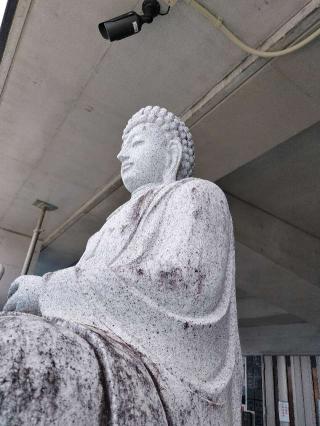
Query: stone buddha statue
<point x="153" y="292"/>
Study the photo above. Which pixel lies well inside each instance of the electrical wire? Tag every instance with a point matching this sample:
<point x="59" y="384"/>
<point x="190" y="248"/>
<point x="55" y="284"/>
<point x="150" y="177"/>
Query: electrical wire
<point x="218" y="23"/>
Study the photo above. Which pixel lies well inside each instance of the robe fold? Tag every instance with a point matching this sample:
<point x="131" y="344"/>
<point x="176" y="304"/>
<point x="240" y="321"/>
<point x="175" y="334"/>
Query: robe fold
<point x="160" y="275"/>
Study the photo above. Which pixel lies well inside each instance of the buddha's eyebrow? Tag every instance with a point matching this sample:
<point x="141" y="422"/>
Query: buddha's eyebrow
<point x="130" y="138"/>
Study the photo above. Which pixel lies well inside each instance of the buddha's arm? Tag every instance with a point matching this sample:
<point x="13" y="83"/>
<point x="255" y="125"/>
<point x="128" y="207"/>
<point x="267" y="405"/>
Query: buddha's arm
<point x="180" y="256"/>
<point x="181" y="247"/>
<point x="23" y="295"/>
<point x="26" y="291"/>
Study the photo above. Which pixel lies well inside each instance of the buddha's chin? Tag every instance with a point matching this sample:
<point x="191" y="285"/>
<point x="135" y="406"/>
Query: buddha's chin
<point x="134" y="179"/>
<point x="130" y="181"/>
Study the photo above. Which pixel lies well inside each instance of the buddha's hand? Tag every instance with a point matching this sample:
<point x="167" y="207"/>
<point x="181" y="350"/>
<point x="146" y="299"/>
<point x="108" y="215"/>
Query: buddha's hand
<point x="24" y="295"/>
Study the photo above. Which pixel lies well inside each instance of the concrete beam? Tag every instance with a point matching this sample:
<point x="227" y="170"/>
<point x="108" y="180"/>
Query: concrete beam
<point x="287" y="34"/>
<point x="282" y="243"/>
<point x="253" y="307"/>
<point x="261" y="277"/>
<point x="254" y="312"/>
<point x="15" y="33"/>
<point x="280" y="319"/>
<point x="295" y="339"/>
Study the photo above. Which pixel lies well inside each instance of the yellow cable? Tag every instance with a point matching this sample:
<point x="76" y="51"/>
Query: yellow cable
<point x="218" y="23"/>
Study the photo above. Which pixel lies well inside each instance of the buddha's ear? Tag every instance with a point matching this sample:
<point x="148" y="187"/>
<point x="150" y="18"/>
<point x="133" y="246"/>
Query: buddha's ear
<point x="173" y="158"/>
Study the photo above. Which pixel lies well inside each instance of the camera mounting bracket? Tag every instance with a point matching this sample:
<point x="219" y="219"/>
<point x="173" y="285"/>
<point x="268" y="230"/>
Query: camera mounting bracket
<point x="150" y="8"/>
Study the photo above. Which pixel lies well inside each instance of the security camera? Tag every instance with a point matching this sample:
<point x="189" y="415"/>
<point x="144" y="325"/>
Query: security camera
<point x="130" y="23"/>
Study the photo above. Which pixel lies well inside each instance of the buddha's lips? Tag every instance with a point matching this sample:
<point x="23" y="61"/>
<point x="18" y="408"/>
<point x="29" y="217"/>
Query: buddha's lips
<point x="125" y="166"/>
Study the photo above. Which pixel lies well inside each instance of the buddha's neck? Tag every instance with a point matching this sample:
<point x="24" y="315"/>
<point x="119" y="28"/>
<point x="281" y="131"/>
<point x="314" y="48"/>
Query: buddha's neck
<point x="143" y="189"/>
<point x="148" y="186"/>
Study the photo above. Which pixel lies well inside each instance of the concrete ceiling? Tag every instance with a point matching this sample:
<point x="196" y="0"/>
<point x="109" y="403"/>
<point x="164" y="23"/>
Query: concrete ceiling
<point x="285" y="182"/>
<point x="275" y="204"/>
<point x="69" y="93"/>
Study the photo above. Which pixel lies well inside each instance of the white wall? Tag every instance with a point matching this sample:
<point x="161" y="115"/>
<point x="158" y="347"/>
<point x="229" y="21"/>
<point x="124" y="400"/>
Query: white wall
<point x="13" y="249"/>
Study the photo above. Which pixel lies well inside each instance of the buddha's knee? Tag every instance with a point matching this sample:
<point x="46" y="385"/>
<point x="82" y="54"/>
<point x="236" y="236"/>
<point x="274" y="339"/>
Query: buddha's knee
<point x="47" y="375"/>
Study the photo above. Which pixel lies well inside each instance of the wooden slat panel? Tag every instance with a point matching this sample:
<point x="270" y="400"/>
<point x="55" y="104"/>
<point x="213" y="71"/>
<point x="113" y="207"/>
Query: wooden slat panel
<point x="290" y="391"/>
<point x="307" y="387"/>
<point x="315" y="382"/>
<point x="297" y="390"/>
<point x="282" y="381"/>
<point x="275" y="388"/>
<point x="318" y="367"/>
<point x="269" y="392"/>
<point x="318" y="376"/>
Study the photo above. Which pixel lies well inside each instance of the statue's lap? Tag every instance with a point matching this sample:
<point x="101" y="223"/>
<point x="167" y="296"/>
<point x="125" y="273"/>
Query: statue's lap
<point x="58" y="373"/>
<point x="46" y="370"/>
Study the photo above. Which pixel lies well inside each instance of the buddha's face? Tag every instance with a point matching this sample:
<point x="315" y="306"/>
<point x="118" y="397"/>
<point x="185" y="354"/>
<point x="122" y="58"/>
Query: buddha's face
<point x="144" y="156"/>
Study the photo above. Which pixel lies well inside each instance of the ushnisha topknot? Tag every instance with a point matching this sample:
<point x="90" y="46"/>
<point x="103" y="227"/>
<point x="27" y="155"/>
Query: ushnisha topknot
<point x="173" y="127"/>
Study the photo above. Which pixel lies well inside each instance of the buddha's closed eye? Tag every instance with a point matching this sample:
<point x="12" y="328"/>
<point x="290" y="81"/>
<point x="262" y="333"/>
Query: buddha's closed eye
<point x="137" y="142"/>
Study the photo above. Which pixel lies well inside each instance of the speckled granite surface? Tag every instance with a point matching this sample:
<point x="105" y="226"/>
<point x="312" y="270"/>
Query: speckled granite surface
<point x="59" y="373"/>
<point x="162" y="280"/>
<point x="160" y="276"/>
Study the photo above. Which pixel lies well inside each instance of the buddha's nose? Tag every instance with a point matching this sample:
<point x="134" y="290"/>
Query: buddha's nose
<point x="122" y="156"/>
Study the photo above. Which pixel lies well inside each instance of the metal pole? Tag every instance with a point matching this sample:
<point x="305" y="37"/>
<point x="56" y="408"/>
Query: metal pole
<point x="33" y="242"/>
<point x="94" y="201"/>
<point x="1" y="271"/>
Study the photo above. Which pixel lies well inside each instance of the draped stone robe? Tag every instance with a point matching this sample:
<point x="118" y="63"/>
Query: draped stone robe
<point x="160" y="275"/>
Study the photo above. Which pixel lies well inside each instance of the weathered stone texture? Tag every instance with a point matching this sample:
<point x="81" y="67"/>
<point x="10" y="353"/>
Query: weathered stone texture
<point x="159" y="275"/>
<point x="47" y="376"/>
<point x="59" y="373"/>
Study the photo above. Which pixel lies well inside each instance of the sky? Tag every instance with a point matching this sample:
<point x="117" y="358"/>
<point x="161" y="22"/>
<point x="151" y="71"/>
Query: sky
<point x="3" y="4"/>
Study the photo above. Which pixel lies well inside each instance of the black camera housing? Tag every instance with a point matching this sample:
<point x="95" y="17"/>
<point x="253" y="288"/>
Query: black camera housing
<point x="130" y="23"/>
<point x="121" y="27"/>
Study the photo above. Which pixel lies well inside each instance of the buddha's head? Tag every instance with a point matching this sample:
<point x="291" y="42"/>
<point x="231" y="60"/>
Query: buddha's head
<point x="157" y="148"/>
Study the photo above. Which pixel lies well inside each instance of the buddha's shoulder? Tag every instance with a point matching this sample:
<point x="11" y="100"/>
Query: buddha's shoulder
<point x="199" y="188"/>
